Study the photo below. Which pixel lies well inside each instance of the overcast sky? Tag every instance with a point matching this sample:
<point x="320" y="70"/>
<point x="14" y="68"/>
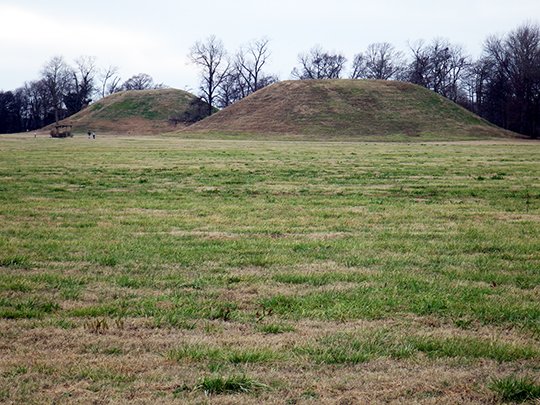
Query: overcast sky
<point x="154" y="37"/>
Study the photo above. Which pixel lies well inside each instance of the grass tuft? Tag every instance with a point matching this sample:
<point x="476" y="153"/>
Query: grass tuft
<point x="275" y="328"/>
<point x="195" y="352"/>
<point x="229" y="385"/>
<point x="16" y="261"/>
<point x="26" y="308"/>
<point x="516" y="389"/>
<point x="222" y="311"/>
<point x="344" y="348"/>
<point x="468" y="347"/>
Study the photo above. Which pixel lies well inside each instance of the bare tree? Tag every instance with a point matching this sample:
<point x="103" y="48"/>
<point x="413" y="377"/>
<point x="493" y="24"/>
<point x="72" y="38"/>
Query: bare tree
<point x="512" y="89"/>
<point x="56" y="75"/>
<point x="319" y="64"/>
<point x="37" y="103"/>
<point x="380" y="61"/>
<point x="141" y="81"/>
<point x="34" y="110"/>
<point x="110" y="80"/>
<point x="195" y="111"/>
<point x="359" y="67"/>
<point x="245" y="75"/>
<point x="440" y="58"/>
<point x="85" y="74"/>
<point x="439" y="66"/>
<point x="251" y="61"/>
<point x="115" y="86"/>
<point x="460" y="63"/>
<point x="419" y="68"/>
<point x="448" y="65"/>
<point x="10" y="117"/>
<point x="211" y="57"/>
<point x="83" y="84"/>
<point x="231" y="89"/>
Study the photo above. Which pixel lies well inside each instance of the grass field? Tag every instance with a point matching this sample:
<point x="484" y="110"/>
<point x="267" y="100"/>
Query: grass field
<point x="140" y="270"/>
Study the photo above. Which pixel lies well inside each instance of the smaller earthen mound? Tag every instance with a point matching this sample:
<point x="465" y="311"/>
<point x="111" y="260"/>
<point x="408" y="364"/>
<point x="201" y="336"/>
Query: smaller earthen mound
<point x="136" y="112"/>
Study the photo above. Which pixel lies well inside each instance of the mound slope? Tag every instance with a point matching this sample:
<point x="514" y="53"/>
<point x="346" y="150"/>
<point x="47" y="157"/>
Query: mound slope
<point x="352" y="108"/>
<point x="141" y="111"/>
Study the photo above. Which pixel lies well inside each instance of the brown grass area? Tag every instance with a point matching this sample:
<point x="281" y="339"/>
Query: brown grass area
<point x="70" y="366"/>
<point x="216" y="235"/>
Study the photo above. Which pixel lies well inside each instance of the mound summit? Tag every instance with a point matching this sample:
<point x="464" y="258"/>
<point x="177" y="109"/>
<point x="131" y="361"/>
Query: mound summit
<point x="136" y="111"/>
<point x="352" y="108"/>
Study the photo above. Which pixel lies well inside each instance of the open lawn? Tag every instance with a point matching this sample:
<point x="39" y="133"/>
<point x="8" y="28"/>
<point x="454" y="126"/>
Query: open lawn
<point x="141" y="270"/>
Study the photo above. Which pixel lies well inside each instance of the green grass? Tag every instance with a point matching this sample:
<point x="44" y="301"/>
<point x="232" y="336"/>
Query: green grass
<point x="100" y="374"/>
<point x="26" y="308"/>
<point x="469" y="347"/>
<point x="516" y="389"/>
<point x="14" y="261"/>
<point x="319" y="279"/>
<point x="349" y="348"/>
<point x="279" y="256"/>
<point x="275" y="328"/>
<point x="229" y="385"/>
<point x="346" y="348"/>
<point x="409" y="295"/>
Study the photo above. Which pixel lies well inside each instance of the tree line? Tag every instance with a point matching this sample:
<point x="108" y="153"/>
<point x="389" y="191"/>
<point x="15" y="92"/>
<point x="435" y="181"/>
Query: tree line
<point x="502" y="85"/>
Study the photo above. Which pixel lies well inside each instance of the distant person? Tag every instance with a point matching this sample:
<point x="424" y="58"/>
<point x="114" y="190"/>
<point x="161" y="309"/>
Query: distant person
<point x="89" y="134"/>
<point x="93" y="135"/>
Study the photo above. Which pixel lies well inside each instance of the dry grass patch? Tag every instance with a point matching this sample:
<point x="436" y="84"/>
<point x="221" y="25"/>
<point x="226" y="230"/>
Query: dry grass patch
<point x="134" y="359"/>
